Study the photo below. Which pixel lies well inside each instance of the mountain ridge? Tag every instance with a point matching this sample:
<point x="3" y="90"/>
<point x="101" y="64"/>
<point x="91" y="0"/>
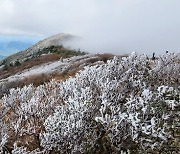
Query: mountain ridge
<point x="2" y="57"/>
<point x="55" y="40"/>
<point x="14" y="46"/>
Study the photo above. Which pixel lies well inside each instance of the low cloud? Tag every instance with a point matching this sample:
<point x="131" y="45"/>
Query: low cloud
<point x="117" y="26"/>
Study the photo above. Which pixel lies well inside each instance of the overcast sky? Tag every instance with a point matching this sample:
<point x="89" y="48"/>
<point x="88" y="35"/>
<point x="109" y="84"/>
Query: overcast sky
<point x="118" y="26"/>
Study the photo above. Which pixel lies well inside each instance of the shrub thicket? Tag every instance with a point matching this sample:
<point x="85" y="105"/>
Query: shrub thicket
<point x="129" y="104"/>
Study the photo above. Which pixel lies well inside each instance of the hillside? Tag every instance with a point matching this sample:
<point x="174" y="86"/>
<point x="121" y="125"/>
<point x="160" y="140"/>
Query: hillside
<point x="45" y="68"/>
<point x="37" y="49"/>
<point x="45" y="51"/>
<point x="126" y="104"/>
<point x="49" y="60"/>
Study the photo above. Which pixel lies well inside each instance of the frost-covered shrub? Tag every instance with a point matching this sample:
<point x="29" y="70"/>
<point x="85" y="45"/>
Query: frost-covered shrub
<point x="128" y="104"/>
<point x="23" y="150"/>
<point x="3" y="137"/>
<point x="24" y="112"/>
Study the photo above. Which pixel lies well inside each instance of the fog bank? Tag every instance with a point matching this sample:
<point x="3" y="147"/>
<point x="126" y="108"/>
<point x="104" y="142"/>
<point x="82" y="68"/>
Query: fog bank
<point x="116" y="26"/>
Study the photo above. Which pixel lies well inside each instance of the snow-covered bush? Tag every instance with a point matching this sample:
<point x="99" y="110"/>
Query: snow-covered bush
<point x="24" y="112"/>
<point x="3" y="137"/>
<point x="128" y="104"/>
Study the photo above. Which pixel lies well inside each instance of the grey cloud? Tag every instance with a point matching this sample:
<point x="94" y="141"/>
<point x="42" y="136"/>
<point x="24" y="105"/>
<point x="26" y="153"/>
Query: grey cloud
<point x="118" y="26"/>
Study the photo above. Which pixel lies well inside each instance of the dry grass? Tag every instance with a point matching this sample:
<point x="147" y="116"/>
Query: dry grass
<point x="29" y="64"/>
<point x="40" y="79"/>
<point x="71" y="72"/>
<point x="106" y="56"/>
<point x="36" y="80"/>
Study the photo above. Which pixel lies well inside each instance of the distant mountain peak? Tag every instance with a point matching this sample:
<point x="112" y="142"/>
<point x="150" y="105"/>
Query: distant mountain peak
<point x="55" y="40"/>
<point x="2" y="57"/>
<point x="13" y="46"/>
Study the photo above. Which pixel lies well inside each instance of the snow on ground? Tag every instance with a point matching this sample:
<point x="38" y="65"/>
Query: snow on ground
<point x="57" y="66"/>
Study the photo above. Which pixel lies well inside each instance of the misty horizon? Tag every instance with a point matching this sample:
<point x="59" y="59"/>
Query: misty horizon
<point x="117" y="26"/>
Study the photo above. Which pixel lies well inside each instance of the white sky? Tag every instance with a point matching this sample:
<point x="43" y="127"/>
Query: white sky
<point x="103" y="25"/>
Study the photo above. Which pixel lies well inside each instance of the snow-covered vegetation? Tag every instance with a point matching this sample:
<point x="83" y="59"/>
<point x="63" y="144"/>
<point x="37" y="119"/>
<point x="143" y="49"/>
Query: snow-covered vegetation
<point x="52" y="67"/>
<point x="128" y="104"/>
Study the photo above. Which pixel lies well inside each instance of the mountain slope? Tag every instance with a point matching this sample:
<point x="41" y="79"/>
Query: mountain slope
<point x="59" y="66"/>
<point x="56" y="40"/>
<point x="45" y="68"/>
<point x="127" y="105"/>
